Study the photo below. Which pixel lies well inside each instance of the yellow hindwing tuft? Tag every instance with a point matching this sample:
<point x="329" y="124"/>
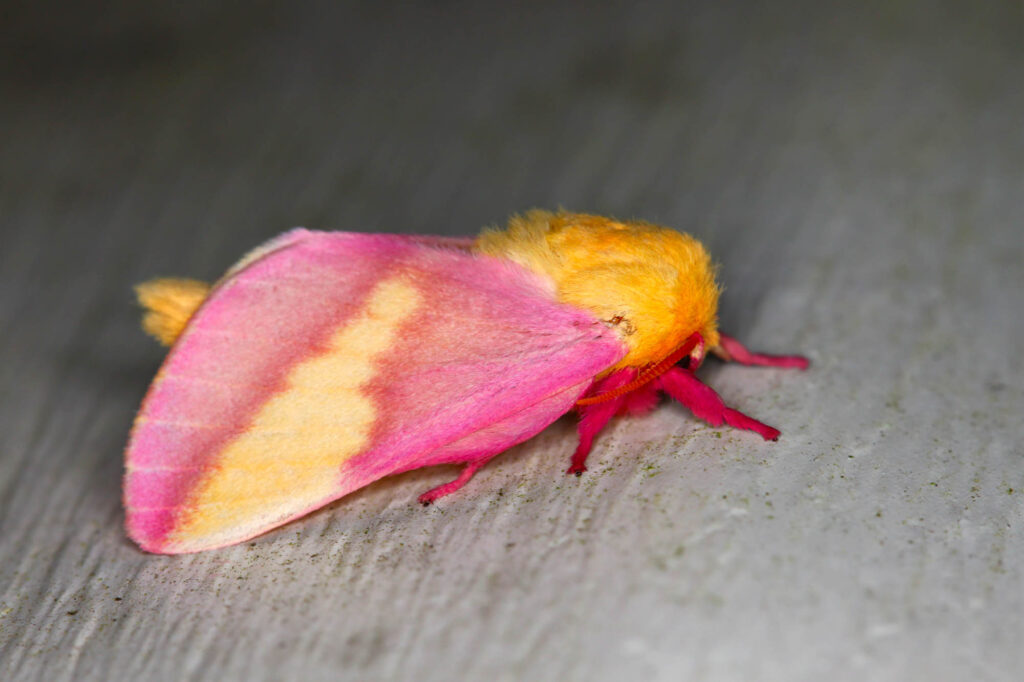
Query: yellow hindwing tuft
<point x="169" y="304"/>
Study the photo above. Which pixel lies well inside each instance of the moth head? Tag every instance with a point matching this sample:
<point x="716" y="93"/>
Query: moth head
<point x="653" y="285"/>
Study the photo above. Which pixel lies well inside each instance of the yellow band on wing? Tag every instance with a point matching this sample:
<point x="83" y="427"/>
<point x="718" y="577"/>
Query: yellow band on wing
<point x="289" y="459"/>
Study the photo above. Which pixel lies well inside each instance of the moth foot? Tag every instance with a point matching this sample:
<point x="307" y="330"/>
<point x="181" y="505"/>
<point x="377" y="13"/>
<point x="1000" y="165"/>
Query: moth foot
<point x="731" y="350"/>
<point x="577" y="469"/>
<point x="450" y="487"/>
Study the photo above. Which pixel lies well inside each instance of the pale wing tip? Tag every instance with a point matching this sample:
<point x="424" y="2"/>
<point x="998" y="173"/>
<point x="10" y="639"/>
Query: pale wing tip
<point x="144" y="534"/>
<point x="157" y="541"/>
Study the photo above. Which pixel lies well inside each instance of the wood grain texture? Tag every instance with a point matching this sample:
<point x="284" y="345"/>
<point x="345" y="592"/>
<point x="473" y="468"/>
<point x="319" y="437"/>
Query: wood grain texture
<point x="857" y="170"/>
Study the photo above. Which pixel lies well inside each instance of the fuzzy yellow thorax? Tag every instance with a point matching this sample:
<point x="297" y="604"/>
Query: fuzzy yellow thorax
<point x="654" y="285"/>
<point x="169" y="304"/>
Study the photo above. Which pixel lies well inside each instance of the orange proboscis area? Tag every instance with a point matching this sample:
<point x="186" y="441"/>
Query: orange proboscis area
<point x="647" y="375"/>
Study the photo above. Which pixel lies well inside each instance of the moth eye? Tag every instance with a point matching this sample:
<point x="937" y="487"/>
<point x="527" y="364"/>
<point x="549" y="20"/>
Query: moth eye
<point x="624" y="324"/>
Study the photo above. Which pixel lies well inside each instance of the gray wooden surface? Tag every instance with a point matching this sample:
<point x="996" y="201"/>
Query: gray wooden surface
<point x="858" y="171"/>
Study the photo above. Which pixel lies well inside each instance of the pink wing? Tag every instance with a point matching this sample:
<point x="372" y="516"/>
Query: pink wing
<point x="328" y="360"/>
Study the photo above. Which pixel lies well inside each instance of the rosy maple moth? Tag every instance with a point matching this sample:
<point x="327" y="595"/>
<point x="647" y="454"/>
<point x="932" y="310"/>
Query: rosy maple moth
<point x="324" y="361"/>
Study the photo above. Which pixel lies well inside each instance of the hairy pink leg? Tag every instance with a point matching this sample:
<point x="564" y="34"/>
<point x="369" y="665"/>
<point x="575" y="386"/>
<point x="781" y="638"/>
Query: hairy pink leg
<point x="592" y="420"/>
<point x="729" y="349"/>
<point x="641" y="400"/>
<point x="685" y="387"/>
<point x="448" y="488"/>
<point x="594" y="417"/>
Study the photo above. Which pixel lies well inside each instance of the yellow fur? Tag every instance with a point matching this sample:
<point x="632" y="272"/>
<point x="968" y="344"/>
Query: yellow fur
<point x="655" y="285"/>
<point x="169" y="304"/>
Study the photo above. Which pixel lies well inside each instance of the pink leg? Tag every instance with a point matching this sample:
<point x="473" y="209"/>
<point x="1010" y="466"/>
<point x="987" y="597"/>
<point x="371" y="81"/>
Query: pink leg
<point x="448" y="488"/>
<point x="594" y="417"/>
<point x="685" y="387"/>
<point x="729" y="349"/>
<point x="641" y="401"/>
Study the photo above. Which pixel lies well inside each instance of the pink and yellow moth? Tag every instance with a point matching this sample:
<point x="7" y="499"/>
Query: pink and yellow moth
<point x="324" y="361"/>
